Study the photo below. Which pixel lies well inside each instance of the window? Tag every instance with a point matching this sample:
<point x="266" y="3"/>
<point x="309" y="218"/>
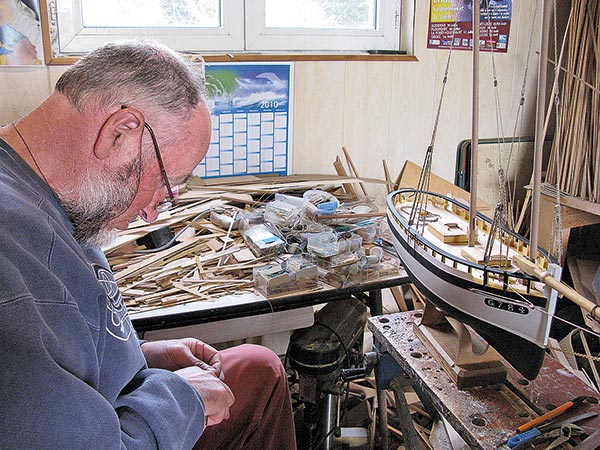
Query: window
<point x="230" y="25"/>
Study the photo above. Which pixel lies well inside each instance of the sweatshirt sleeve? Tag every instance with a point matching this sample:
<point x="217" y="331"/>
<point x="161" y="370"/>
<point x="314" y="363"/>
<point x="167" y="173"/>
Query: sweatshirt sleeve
<point x="51" y="385"/>
<point x="149" y="408"/>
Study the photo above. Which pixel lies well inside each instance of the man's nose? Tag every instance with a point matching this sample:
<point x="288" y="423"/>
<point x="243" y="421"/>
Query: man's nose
<point x="149" y="214"/>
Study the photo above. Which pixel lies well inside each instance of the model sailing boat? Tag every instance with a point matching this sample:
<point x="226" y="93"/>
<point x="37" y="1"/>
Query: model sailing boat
<point x="462" y="261"/>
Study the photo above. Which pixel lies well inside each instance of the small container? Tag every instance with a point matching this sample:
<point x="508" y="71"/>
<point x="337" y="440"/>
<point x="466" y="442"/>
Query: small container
<point x="329" y="243"/>
<point x="294" y="274"/>
<point x="262" y="240"/>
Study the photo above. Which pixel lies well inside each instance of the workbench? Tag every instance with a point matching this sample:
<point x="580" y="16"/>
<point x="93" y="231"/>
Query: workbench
<point x="255" y="314"/>
<point x="484" y="416"/>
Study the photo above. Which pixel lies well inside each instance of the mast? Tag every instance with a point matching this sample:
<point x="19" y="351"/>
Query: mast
<point x="474" y="128"/>
<point x="539" y="132"/>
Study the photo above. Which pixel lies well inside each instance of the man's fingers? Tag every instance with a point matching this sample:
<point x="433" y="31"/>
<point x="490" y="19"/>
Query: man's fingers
<point x="217" y="396"/>
<point x="205" y="366"/>
<point x="215" y="362"/>
<point x="215" y="419"/>
<point x="208" y="354"/>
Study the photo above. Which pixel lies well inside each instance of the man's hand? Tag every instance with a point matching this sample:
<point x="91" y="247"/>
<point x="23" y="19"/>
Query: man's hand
<point x="181" y="353"/>
<point x="200" y="365"/>
<point x="217" y="396"/>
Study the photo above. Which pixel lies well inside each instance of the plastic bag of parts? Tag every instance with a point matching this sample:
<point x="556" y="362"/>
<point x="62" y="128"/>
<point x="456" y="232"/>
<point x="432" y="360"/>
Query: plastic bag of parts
<point x="340" y="276"/>
<point x="286" y="210"/>
<point x="347" y="269"/>
<point x="251" y="217"/>
<point x="294" y="274"/>
<point x="330" y="243"/>
<point x="324" y="202"/>
<point x="226" y="219"/>
<point x="341" y="259"/>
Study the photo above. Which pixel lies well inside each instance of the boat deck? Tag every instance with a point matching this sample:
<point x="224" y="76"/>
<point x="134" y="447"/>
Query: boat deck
<point x="457" y="225"/>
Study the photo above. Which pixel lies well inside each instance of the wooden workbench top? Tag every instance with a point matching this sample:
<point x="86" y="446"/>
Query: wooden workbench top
<point x="484" y="416"/>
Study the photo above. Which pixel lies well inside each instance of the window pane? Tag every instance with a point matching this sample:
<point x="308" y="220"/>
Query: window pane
<point x="151" y="13"/>
<point x="349" y="14"/>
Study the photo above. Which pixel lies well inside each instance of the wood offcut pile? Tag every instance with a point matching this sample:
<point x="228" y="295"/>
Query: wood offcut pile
<point x="193" y="252"/>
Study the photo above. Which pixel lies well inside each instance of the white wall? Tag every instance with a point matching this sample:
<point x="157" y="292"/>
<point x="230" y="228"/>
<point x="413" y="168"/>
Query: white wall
<point x="377" y="110"/>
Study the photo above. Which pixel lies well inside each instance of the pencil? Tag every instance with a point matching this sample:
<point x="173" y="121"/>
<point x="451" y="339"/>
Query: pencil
<point x="551" y="414"/>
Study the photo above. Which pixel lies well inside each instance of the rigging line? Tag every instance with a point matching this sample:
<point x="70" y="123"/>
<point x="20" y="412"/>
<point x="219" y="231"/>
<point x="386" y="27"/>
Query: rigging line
<point x="499" y="221"/>
<point x="499" y="124"/>
<point x="557" y="217"/>
<point x="574" y="75"/>
<point x="445" y="79"/>
<point x="579" y="327"/>
<point x="420" y="201"/>
<point x="555" y="89"/>
<point x="521" y="106"/>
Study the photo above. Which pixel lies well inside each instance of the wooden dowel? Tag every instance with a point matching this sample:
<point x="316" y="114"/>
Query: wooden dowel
<point x="388" y="178"/>
<point x="347" y="155"/>
<point x="532" y="269"/>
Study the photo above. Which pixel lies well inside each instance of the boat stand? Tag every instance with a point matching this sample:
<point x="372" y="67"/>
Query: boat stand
<point x="465" y="356"/>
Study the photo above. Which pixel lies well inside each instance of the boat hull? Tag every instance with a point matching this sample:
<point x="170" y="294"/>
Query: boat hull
<point x="516" y="325"/>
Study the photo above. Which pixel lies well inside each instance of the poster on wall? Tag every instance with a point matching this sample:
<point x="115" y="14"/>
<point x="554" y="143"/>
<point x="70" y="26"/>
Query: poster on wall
<point x="251" y="119"/>
<point x="450" y="25"/>
<point x="20" y="33"/>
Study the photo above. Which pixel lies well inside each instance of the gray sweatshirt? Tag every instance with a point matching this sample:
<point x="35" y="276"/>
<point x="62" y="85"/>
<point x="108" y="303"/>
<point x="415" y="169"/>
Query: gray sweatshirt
<point x="72" y="375"/>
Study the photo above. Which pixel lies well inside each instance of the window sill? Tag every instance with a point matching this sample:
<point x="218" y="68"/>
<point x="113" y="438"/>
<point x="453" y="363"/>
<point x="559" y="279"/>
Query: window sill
<point x="260" y="57"/>
<point x="272" y="57"/>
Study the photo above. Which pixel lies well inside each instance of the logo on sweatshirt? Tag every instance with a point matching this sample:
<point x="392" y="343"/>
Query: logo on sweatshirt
<point x="118" y="324"/>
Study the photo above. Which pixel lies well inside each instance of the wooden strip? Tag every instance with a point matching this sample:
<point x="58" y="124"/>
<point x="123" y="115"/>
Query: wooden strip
<point x="137" y="268"/>
<point x="388" y="178"/>
<point x="399" y="298"/>
<point x="341" y="171"/>
<point x="353" y="167"/>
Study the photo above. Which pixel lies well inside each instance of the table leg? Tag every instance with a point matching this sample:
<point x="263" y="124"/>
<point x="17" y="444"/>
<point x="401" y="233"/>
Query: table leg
<point x="412" y="441"/>
<point x="376" y="302"/>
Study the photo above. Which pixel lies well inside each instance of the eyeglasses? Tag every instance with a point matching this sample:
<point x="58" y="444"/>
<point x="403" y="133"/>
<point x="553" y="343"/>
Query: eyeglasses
<point x="160" y="163"/>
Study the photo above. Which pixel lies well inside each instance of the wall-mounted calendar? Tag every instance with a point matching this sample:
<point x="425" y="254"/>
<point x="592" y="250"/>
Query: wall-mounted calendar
<point x="251" y="119"/>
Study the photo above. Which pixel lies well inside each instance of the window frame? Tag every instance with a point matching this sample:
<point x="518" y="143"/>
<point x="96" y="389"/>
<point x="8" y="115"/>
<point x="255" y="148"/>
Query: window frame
<point x="76" y="41"/>
<point x="72" y="38"/>
<point x="385" y="36"/>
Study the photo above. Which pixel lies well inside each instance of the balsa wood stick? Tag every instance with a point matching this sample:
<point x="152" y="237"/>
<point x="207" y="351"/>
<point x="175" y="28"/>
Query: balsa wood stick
<point x="351" y="163"/>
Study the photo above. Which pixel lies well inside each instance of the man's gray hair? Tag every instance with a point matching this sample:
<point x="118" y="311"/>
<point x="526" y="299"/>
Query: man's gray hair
<point x="133" y="73"/>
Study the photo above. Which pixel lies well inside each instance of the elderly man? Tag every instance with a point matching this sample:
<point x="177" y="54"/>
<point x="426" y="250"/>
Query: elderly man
<point x="73" y="374"/>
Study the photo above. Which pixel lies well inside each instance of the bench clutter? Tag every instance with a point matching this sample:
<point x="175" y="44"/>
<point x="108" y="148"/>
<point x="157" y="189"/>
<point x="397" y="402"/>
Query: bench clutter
<point x="272" y="235"/>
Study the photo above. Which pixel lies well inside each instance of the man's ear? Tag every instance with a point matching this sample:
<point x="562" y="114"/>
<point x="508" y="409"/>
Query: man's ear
<point x="121" y="132"/>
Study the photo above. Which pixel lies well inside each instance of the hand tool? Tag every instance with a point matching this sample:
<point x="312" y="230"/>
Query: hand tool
<point x="551" y="414"/>
<point x="520" y="440"/>
<point x="575" y="419"/>
<point x="566" y="431"/>
<point x="592" y="442"/>
<point x="558" y="435"/>
<point x="523" y="437"/>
